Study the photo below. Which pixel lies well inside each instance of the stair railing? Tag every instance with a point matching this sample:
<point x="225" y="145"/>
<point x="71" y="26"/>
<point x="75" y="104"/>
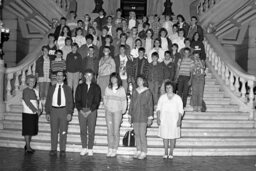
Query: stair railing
<point x="239" y="83"/>
<point x="205" y="5"/>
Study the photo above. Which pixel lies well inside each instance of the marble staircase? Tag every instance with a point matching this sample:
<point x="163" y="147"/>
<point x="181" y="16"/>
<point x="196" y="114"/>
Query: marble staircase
<point x="221" y="131"/>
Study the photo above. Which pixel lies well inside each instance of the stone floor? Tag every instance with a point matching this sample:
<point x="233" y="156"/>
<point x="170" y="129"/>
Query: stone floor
<point x="12" y="159"/>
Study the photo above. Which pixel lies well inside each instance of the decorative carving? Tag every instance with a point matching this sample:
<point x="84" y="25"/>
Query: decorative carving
<point x="98" y="6"/>
<point x="168" y="8"/>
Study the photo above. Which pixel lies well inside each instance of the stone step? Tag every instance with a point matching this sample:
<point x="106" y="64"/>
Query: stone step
<point x="152" y="141"/>
<point x="188" y="115"/>
<point x="101" y="127"/>
<point x="198" y="123"/>
<point x="191" y="151"/>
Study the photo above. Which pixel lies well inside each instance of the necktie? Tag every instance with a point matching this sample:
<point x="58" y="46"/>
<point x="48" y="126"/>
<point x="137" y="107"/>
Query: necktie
<point x="59" y="96"/>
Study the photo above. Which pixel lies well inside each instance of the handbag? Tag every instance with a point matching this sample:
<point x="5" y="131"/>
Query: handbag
<point x="129" y="139"/>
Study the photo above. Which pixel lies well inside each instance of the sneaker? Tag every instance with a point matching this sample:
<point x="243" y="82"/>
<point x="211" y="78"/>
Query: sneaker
<point x="171" y="157"/>
<point x="165" y="156"/>
<point x="137" y="154"/>
<point x="142" y="156"/>
<point x="113" y="153"/>
<point x="62" y="153"/>
<point x="53" y="153"/>
<point x="109" y="152"/>
<point x="90" y="153"/>
<point x="83" y="152"/>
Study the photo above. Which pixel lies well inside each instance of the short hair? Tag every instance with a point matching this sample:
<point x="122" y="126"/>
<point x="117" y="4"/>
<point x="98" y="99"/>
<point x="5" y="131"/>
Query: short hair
<point x="162" y="29"/>
<point x="80" y="21"/>
<point x="142" y="49"/>
<point x="89" y="36"/>
<point x="159" y="40"/>
<point x="89" y="71"/>
<point x="123" y="34"/>
<point x="167" y="52"/>
<point x="152" y="32"/>
<point x="59" y="51"/>
<point x="119" y="81"/>
<point x="45" y="47"/>
<point x="119" y="29"/>
<point x="119" y="10"/>
<point x="30" y="77"/>
<point x="187" y="49"/>
<point x="75" y="44"/>
<point x="187" y="39"/>
<point x="155" y="54"/>
<point x="79" y="28"/>
<point x="181" y="16"/>
<point x="122" y="46"/>
<point x="105" y="28"/>
<point x="63" y="18"/>
<point x="176" y="45"/>
<point x="181" y="30"/>
<point x="175" y="25"/>
<point x="87" y="15"/>
<point x="56" y="72"/>
<point x="168" y="83"/>
<point x="92" y="47"/>
<point x="138" y="39"/>
<point x="145" y="81"/>
<point x="109" y="37"/>
<point x="107" y="47"/>
<point x="51" y="35"/>
<point x="194" y="17"/>
<point x="145" y="24"/>
<point x="109" y="17"/>
<point x="68" y="38"/>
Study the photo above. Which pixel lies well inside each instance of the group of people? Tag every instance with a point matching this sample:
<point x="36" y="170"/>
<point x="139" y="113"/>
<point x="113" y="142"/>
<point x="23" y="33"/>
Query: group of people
<point x="89" y="61"/>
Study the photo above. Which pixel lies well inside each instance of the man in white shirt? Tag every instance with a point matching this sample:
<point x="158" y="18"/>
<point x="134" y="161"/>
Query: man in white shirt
<point x="59" y="110"/>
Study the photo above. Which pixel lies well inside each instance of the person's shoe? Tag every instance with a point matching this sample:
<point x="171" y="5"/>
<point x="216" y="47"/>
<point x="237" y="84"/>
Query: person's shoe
<point x="25" y="147"/>
<point x="53" y="153"/>
<point x="137" y="154"/>
<point x="90" y="153"/>
<point x="165" y="156"/>
<point x="170" y="156"/>
<point x="83" y="152"/>
<point x="62" y="153"/>
<point x="142" y="156"/>
<point x="113" y="153"/>
<point x="109" y="152"/>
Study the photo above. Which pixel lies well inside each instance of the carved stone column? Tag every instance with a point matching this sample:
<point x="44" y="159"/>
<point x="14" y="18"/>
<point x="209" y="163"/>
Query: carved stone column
<point x="252" y="48"/>
<point x="168" y="8"/>
<point x="2" y="104"/>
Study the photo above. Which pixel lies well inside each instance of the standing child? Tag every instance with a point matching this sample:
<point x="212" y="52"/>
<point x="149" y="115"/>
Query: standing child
<point x="59" y="64"/>
<point x="79" y="39"/>
<point x="67" y="48"/>
<point x="74" y="68"/>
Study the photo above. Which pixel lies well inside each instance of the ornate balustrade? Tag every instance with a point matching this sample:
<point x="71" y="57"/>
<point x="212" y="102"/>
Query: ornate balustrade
<point x="239" y="83"/>
<point x="64" y="4"/>
<point x="205" y="5"/>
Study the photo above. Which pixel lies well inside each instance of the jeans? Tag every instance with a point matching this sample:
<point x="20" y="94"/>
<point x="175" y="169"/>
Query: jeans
<point x="43" y="89"/>
<point x="154" y="88"/>
<point x="183" y="88"/>
<point x="197" y="90"/>
<point x="140" y="130"/>
<point x="89" y="124"/>
<point x="73" y="80"/>
<point x="113" y="120"/>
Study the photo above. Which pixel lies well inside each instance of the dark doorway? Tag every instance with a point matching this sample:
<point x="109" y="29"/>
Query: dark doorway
<point x="139" y="6"/>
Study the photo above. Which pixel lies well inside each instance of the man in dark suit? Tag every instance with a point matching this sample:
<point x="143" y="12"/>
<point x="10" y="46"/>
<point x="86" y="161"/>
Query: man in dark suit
<point x="59" y="110"/>
<point x="87" y="101"/>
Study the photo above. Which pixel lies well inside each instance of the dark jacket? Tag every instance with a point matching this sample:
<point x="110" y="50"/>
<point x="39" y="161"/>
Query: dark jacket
<point x="68" y="96"/>
<point x="90" y="63"/>
<point x="140" y="71"/>
<point x="74" y="62"/>
<point x="40" y="66"/>
<point x="88" y="99"/>
<point x="169" y="71"/>
<point x="84" y="49"/>
<point x="129" y="66"/>
<point x="155" y="72"/>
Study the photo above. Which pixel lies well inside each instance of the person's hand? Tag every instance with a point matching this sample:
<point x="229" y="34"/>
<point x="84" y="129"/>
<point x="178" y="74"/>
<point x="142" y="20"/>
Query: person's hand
<point x="88" y="113"/>
<point x="47" y="116"/>
<point x="150" y="121"/>
<point x="158" y="121"/>
<point x="189" y="82"/>
<point x="39" y="112"/>
<point x="69" y="117"/>
<point x="179" y="122"/>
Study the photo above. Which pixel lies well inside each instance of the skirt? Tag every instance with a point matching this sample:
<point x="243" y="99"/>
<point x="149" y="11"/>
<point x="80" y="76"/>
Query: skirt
<point x="29" y="124"/>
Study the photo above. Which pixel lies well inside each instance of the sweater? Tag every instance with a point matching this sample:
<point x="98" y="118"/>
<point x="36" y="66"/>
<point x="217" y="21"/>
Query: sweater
<point x="30" y="101"/>
<point x="74" y="62"/>
<point x="115" y="101"/>
<point x="141" y="106"/>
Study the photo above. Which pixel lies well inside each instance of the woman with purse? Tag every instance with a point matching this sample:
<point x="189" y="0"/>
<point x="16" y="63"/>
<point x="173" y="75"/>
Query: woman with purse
<point x="115" y="104"/>
<point x="141" y="115"/>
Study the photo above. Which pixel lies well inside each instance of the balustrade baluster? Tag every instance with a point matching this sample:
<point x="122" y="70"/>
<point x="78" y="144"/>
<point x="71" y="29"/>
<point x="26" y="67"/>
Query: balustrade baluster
<point x="29" y="71"/>
<point x="206" y="5"/>
<point x="223" y="71"/>
<point x="237" y="85"/>
<point x="226" y="76"/>
<point x="17" y="82"/>
<point x="251" y="94"/>
<point x="201" y="8"/>
<point x="243" y="90"/>
<point x="9" y="86"/>
<point x="231" y="79"/>
<point x="34" y="68"/>
<point x="23" y="78"/>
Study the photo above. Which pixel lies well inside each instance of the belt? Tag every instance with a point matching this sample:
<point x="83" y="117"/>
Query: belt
<point x="59" y="107"/>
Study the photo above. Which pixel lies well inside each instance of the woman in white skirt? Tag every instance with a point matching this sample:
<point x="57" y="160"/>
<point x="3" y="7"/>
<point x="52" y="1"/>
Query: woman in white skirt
<point x="169" y="113"/>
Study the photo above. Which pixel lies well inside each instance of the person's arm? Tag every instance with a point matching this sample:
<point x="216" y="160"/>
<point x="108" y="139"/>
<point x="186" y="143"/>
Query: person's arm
<point x="113" y="66"/>
<point x="123" y="100"/>
<point x="158" y="110"/>
<point x="150" y="108"/>
<point x="181" y="110"/>
<point x="48" y="103"/>
<point x="96" y="99"/>
<point x="69" y="101"/>
<point x="78" y="97"/>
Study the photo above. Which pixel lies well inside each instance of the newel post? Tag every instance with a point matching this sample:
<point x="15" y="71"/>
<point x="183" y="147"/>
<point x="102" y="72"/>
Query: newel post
<point x="2" y="104"/>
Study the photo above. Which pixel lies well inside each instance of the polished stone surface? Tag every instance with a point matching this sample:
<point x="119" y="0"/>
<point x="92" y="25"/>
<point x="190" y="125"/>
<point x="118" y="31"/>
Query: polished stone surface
<point x="12" y="159"/>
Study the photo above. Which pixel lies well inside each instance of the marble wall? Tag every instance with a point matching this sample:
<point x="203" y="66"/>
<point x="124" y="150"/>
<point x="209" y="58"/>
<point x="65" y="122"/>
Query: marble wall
<point x="153" y="7"/>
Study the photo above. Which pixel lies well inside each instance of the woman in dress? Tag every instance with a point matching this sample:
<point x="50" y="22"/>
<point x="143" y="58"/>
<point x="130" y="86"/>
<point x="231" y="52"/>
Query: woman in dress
<point x="169" y="113"/>
<point x="141" y="115"/>
<point x="115" y="105"/>
<point x="31" y="111"/>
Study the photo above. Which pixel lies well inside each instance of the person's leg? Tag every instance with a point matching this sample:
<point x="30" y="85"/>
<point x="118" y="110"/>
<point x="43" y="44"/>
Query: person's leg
<point x="172" y="145"/>
<point x="143" y="140"/>
<point x="194" y="94"/>
<point x="166" y="144"/>
<point x="117" y="121"/>
<point x="70" y="79"/>
<point x="185" y="90"/>
<point x="151" y="88"/>
<point x="91" y="128"/>
<point x="201" y="92"/>
<point x="137" y="139"/>
<point x="156" y="92"/>
<point x="75" y="82"/>
<point x="63" y="128"/>
<point x="83" y="130"/>
<point x="110" y="133"/>
<point x="54" y="122"/>
<point x="180" y="86"/>
<point x="27" y="140"/>
<point x="47" y="84"/>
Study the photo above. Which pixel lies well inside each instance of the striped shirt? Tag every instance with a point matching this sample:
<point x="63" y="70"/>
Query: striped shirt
<point x="186" y="66"/>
